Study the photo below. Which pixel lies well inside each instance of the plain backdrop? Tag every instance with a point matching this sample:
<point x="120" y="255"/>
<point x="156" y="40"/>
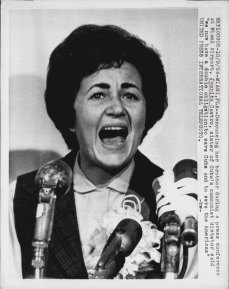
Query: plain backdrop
<point x="33" y="34"/>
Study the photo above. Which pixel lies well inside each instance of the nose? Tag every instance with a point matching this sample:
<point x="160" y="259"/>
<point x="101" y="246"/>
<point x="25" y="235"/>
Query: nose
<point x="116" y="107"/>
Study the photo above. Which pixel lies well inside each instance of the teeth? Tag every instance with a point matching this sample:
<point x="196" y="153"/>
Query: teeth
<point x="110" y="132"/>
<point x="113" y="128"/>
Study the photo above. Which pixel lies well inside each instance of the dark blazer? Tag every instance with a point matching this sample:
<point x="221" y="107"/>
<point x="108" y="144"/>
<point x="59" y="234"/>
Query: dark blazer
<point x="65" y="257"/>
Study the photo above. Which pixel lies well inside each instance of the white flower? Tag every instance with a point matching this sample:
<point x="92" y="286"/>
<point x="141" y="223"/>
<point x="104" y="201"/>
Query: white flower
<point x="145" y="251"/>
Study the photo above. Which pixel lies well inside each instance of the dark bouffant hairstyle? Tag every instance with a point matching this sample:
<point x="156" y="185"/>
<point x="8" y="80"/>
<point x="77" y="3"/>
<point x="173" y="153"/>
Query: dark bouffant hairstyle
<point x="92" y="47"/>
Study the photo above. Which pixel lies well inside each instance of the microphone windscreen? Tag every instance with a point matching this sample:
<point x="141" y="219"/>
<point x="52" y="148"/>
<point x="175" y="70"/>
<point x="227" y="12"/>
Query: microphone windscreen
<point x="131" y="233"/>
<point x="54" y="174"/>
<point x="186" y="168"/>
<point x="120" y="244"/>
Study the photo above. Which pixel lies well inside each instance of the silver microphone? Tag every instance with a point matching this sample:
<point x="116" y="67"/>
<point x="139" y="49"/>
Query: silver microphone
<point x="52" y="180"/>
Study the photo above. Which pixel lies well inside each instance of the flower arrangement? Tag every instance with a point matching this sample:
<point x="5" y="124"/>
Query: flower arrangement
<point x="142" y="259"/>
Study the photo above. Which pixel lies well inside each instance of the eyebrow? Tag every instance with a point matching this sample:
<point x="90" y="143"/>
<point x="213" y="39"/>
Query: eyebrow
<point x="104" y="85"/>
<point x="129" y="85"/>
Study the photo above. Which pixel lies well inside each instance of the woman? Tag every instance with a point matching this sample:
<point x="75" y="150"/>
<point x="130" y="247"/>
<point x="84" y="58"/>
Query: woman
<point x="105" y="89"/>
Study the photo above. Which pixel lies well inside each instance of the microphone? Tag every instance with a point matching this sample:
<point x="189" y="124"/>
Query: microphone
<point x="185" y="168"/>
<point x="174" y="233"/>
<point x="56" y="174"/>
<point x="120" y="244"/>
<point x="52" y="180"/>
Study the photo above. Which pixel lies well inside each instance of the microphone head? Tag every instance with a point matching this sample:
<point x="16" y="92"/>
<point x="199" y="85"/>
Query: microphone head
<point x="55" y="174"/>
<point x="120" y="244"/>
<point x="130" y="232"/>
<point x="186" y="168"/>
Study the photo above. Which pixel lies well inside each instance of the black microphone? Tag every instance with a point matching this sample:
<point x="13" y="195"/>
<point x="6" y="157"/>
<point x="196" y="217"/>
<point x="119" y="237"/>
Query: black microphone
<point x="186" y="168"/>
<point x="52" y="180"/>
<point x="120" y="244"/>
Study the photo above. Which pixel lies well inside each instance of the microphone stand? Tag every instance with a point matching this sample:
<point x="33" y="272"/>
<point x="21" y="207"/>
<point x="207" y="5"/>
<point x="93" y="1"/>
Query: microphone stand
<point x="174" y="236"/>
<point x="53" y="180"/>
<point x="171" y="246"/>
<point x="43" y="228"/>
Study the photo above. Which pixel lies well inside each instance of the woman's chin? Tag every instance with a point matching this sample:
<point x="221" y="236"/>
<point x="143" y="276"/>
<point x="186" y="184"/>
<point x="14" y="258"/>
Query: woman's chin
<point x="114" y="155"/>
<point x="114" y="161"/>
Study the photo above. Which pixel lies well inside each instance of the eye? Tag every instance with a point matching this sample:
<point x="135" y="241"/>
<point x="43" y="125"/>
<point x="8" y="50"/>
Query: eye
<point x="131" y="96"/>
<point x="97" y="95"/>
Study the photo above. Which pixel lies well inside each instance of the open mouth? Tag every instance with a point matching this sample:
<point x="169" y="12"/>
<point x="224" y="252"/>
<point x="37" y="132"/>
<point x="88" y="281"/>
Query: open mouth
<point x="113" y="135"/>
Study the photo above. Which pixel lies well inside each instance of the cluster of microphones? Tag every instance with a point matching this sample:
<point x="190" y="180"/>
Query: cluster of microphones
<point x="54" y="179"/>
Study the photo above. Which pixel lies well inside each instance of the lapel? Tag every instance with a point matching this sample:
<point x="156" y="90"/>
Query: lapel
<point x="65" y="242"/>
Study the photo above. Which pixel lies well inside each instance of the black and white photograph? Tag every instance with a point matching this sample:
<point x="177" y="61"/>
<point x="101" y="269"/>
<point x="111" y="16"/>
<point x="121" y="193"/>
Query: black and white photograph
<point x="112" y="171"/>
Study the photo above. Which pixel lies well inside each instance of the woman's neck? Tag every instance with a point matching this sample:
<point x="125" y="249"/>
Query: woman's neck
<point x="99" y="176"/>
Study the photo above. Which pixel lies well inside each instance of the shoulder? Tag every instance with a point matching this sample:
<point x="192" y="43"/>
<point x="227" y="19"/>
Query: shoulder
<point x="146" y="167"/>
<point x="26" y="182"/>
<point x="144" y="174"/>
<point x="141" y="182"/>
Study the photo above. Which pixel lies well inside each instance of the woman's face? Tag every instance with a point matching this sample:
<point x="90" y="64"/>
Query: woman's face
<point x="110" y="116"/>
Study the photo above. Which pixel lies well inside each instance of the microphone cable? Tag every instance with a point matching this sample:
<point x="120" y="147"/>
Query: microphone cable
<point x="185" y="263"/>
